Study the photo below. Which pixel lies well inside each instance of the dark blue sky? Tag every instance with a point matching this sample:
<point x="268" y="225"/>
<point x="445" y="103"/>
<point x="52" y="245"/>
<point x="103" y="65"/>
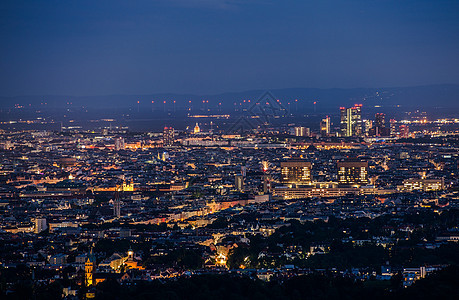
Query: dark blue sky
<point x="210" y="46"/>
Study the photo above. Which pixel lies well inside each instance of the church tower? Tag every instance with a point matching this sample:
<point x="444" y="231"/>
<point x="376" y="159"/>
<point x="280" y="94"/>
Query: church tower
<point x="89" y="269"/>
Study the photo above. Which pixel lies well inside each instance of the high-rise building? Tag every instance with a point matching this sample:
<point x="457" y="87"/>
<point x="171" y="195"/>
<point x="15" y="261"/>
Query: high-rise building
<point x="351" y="121"/>
<point x="239" y="182"/>
<point x="393" y="127"/>
<point x="379" y="128"/>
<point x="302" y="131"/>
<point x="325" y="126"/>
<point x="380" y="122"/>
<point x="368" y="125"/>
<point x="343" y="121"/>
<point x="266" y="184"/>
<point x="296" y="171"/>
<point x="353" y="172"/>
<point x="357" y="119"/>
<point x="40" y="225"/>
<point x="119" y="144"/>
<point x="168" y="136"/>
<point x="404" y="131"/>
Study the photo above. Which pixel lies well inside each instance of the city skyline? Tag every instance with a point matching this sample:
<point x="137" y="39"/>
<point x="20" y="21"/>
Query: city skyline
<point x="229" y="149"/>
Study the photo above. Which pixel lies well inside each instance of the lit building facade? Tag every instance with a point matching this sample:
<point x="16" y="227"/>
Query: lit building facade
<point x="426" y="185"/>
<point x="379" y="128"/>
<point x="239" y="182"/>
<point x="296" y="171"/>
<point x="404" y="131"/>
<point x="40" y="225"/>
<point x="168" y="136"/>
<point x="353" y="172"/>
<point x="89" y="269"/>
<point x="393" y="127"/>
<point x="119" y="144"/>
<point x="325" y="126"/>
<point x="301" y="131"/>
<point x="351" y="121"/>
<point x="196" y="129"/>
<point x="326" y="192"/>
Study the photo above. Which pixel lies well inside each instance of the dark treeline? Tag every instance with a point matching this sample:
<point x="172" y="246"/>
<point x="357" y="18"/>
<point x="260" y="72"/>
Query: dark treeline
<point x="443" y="284"/>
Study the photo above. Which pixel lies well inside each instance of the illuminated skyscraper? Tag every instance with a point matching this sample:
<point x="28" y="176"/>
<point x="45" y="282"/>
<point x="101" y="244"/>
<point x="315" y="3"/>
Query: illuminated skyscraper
<point x="168" y="136"/>
<point x="380" y="121"/>
<point x="119" y="144"/>
<point x="351" y="121"/>
<point x="325" y="126"/>
<point x="368" y="126"/>
<point x="302" y="131"/>
<point x="353" y="172"/>
<point x="404" y="131"/>
<point x="239" y="182"/>
<point x="296" y="171"/>
<point x="343" y="121"/>
<point x="379" y="128"/>
<point x="40" y="225"/>
<point x="393" y="127"/>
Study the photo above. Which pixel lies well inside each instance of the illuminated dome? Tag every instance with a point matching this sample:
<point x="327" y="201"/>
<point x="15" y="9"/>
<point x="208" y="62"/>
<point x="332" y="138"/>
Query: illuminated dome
<point x="196" y="128"/>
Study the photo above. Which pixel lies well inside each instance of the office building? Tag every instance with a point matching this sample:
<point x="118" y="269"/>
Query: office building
<point x="353" y="172"/>
<point x="404" y="131"/>
<point x="393" y="127"/>
<point x="325" y="126"/>
<point x="119" y="144"/>
<point x="239" y="182"/>
<point x="302" y="131"/>
<point x="296" y="171"/>
<point x="40" y="225"/>
<point x="351" y="121"/>
<point x="326" y="192"/>
<point x="368" y="125"/>
<point x="426" y="185"/>
<point x="168" y="136"/>
<point x="379" y="128"/>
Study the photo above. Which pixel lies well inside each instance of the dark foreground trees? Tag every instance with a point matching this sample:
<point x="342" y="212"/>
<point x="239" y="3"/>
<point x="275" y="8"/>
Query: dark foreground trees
<point x="442" y="285"/>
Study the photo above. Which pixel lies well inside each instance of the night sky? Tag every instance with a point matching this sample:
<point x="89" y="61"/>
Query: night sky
<point x="209" y="46"/>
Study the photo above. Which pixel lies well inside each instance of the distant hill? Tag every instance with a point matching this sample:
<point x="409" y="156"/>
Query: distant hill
<point x="444" y="96"/>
